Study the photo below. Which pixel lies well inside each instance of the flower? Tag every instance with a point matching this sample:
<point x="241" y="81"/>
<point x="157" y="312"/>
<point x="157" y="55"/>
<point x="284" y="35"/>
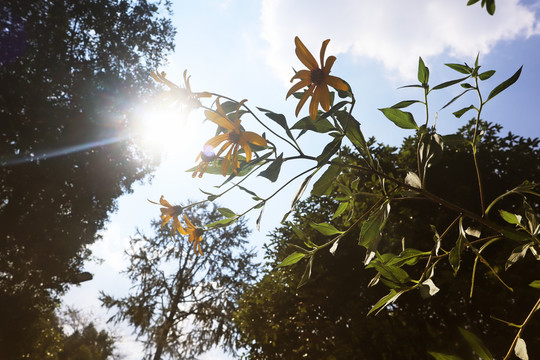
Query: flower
<point x="169" y="211"/>
<point x="317" y="78"/>
<point x="185" y="96"/>
<point x="195" y="235"/>
<point x="235" y="138"/>
<point x="207" y="156"/>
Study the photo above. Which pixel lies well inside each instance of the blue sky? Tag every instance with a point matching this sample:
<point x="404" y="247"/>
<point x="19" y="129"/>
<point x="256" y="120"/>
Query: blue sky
<point x="245" y="50"/>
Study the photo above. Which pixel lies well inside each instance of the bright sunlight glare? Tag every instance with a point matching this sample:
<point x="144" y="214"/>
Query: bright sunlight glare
<point x="168" y="130"/>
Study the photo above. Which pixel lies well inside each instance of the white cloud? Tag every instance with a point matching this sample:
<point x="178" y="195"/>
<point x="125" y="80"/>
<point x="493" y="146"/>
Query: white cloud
<point x="394" y="33"/>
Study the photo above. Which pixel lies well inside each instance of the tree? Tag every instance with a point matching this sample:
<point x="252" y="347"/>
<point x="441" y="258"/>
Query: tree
<point x="326" y="318"/>
<point x="182" y="302"/>
<point x="71" y="74"/>
<point x="84" y="342"/>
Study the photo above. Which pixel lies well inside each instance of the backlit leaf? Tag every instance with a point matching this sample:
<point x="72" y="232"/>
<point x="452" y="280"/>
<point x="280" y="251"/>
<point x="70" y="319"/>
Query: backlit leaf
<point x="486" y="74"/>
<point x="505" y="84"/>
<point x="329" y="150"/>
<point x="423" y="72"/>
<point x="403" y="119"/>
<point x="404" y="104"/>
<point x="510" y="218"/>
<point x="326" y="229"/>
<point x="464" y="69"/>
<point x="292" y="259"/>
<point x="449" y="83"/>
<point x="323" y="185"/>
<point x="461" y="112"/>
<point x="227" y="212"/>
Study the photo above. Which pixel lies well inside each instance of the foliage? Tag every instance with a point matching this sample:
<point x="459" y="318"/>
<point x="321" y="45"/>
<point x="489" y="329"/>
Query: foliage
<point x="327" y="316"/>
<point x="479" y="212"/>
<point x="85" y="342"/>
<point x="182" y="302"/>
<point x="489" y="4"/>
<point x="69" y="72"/>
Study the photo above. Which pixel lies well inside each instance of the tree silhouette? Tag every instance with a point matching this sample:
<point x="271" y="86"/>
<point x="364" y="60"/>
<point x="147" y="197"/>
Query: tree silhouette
<point x="71" y="72"/>
<point x="182" y="302"/>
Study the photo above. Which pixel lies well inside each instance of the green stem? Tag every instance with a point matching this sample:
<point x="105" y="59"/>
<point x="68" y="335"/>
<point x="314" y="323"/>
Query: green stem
<point x="475" y="136"/>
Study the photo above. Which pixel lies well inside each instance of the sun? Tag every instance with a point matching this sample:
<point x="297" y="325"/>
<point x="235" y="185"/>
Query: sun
<point x="166" y="130"/>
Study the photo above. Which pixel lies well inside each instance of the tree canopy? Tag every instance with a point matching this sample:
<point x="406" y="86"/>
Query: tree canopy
<point x="326" y="318"/>
<point x="71" y="74"/>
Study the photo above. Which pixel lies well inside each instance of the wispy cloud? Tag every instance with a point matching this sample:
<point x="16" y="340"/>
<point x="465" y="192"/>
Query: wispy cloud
<point x="394" y="33"/>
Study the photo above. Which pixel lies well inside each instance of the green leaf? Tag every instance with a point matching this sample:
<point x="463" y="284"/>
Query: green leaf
<point x="535" y="284"/>
<point x="411" y="86"/>
<point x="326" y="229"/>
<point x="227" y="212"/>
<point x="472" y="2"/>
<point x="272" y="171"/>
<point x="439" y="356"/>
<point x="404" y="120"/>
<point x="254" y="196"/>
<point x="476" y="344"/>
<point x="449" y="83"/>
<point x="342" y="207"/>
<point x="460" y="113"/>
<point x="306" y="123"/>
<point x="329" y="150"/>
<point x="455" y="255"/>
<point x="407" y="257"/>
<point x="353" y="132"/>
<point x="333" y="109"/>
<point x="490" y="7"/>
<point x="370" y="234"/>
<point x="221" y="223"/>
<point x="292" y="259"/>
<point x="392" y="273"/>
<point x="280" y="119"/>
<point x="423" y="72"/>
<point x="386" y="300"/>
<point x="229" y="106"/>
<point x="510" y="218"/>
<point x="504" y="85"/>
<point x="486" y="74"/>
<point x="211" y="197"/>
<point x="323" y="185"/>
<point x="404" y="104"/>
<point x="464" y="69"/>
<point x="455" y="98"/>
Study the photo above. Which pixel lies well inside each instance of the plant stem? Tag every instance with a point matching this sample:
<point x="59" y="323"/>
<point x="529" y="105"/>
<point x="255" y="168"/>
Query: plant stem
<point x="475" y="136"/>
<point x="521" y="327"/>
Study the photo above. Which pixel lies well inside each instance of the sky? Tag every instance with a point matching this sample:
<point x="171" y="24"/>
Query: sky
<point x="244" y="49"/>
